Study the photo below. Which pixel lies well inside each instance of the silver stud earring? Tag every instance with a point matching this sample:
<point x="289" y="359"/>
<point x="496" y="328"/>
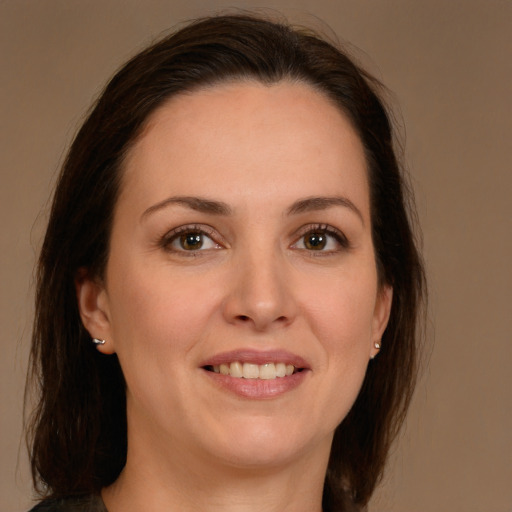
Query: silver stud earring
<point x="377" y="347"/>
<point x="97" y="341"/>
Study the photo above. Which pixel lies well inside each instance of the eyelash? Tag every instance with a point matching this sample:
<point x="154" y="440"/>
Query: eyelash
<point x="175" y="234"/>
<point x="322" y="229"/>
<point x="206" y="231"/>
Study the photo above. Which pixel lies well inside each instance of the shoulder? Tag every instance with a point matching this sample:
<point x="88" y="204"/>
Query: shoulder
<point x="74" y="504"/>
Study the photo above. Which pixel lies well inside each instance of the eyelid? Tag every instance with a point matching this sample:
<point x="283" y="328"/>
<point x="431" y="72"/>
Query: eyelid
<point x="329" y="230"/>
<point x="203" y="229"/>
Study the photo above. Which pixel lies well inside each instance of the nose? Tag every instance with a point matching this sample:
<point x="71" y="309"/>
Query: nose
<point x="260" y="293"/>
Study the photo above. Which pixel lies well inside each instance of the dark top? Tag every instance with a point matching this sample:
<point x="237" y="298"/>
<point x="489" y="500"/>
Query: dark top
<point x="82" y="504"/>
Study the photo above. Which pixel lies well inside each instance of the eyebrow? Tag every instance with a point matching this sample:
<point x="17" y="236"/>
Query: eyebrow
<point x="311" y="204"/>
<point x="198" y="204"/>
<point x="203" y="205"/>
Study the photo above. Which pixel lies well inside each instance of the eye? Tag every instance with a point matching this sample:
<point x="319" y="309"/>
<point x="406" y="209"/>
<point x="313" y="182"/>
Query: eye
<point x="315" y="241"/>
<point x="189" y="239"/>
<point x="322" y="239"/>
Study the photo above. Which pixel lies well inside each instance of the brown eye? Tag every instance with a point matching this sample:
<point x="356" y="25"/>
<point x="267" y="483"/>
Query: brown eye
<point x="191" y="241"/>
<point x="321" y="238"/>
<point x="315" y="241"/>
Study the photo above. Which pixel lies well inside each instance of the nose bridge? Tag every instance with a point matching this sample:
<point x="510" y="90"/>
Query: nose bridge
<point x="260" y="294"/>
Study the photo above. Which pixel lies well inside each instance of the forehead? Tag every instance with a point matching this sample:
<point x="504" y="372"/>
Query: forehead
<point x="247" y="135"/>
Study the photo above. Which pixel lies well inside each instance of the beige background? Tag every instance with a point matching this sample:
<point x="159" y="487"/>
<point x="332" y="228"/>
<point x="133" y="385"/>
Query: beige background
<point x="449" y="66"/>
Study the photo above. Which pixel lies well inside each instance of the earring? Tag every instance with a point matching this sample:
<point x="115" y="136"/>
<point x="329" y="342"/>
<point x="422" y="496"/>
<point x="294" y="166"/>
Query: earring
<point x="97" y="341"/>
<point x="377" y="347"/>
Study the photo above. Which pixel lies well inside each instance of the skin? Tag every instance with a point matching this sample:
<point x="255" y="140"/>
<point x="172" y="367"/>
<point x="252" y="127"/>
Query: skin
<point x="254" y="284"/>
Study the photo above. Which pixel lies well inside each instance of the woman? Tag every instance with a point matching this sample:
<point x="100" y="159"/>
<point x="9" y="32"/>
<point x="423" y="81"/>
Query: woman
<point x="229" y="286"/>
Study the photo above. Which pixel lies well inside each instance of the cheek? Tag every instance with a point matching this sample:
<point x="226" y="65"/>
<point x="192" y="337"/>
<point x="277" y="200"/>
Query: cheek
<point x="340" y="316"/>
<point x="156" y="299"/>
<point x="157" y="321"/>
<point x="156" y="317"/>
<point x="340" y="309"/>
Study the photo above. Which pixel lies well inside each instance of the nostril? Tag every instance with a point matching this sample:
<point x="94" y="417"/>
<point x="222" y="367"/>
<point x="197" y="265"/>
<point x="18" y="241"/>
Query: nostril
<point x="246" y="318"/>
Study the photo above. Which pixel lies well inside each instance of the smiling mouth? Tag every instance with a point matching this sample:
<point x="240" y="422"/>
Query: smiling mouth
<point x="267" y="371"/>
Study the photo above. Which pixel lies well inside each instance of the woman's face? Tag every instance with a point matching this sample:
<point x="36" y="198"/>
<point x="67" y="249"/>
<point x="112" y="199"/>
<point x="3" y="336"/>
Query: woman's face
<point x="241" y="247"/>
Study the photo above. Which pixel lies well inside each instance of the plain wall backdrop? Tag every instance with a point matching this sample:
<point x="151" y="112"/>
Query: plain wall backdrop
<point x="449" y="66"/>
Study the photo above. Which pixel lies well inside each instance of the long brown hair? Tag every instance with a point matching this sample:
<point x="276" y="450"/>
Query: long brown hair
<point x="77" y="434"/>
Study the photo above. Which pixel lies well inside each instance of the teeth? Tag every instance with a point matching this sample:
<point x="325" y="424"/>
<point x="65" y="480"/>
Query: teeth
<point x="250" y="371"/>
<point x="267" y="371"/>
<point x="236" y="369"/>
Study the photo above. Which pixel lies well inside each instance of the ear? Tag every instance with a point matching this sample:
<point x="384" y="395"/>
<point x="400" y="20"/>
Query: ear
<point x="93" y="306"/>
<point x="380" y="317"/>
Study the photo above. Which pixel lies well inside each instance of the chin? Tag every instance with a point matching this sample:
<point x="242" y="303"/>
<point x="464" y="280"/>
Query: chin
<point x="267" y="443"/>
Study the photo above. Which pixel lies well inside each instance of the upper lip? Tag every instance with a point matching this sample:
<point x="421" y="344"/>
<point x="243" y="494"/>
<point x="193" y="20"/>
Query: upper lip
<point x="256" y="357"/>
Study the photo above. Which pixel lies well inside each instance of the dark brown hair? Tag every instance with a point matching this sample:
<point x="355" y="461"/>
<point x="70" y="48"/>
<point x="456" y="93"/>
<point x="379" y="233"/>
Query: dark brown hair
<point x="77" y="434"/>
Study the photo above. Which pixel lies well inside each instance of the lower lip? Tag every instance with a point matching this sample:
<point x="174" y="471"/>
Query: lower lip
<point x="258" y="389"/>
